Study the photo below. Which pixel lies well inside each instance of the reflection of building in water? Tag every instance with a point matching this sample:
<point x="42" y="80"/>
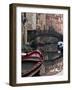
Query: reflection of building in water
<point x="56" y="67"/>
<point x="40" y="21"/>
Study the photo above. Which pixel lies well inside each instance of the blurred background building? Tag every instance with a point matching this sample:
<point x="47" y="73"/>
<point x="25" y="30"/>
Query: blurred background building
<point x="39" y="21"/>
